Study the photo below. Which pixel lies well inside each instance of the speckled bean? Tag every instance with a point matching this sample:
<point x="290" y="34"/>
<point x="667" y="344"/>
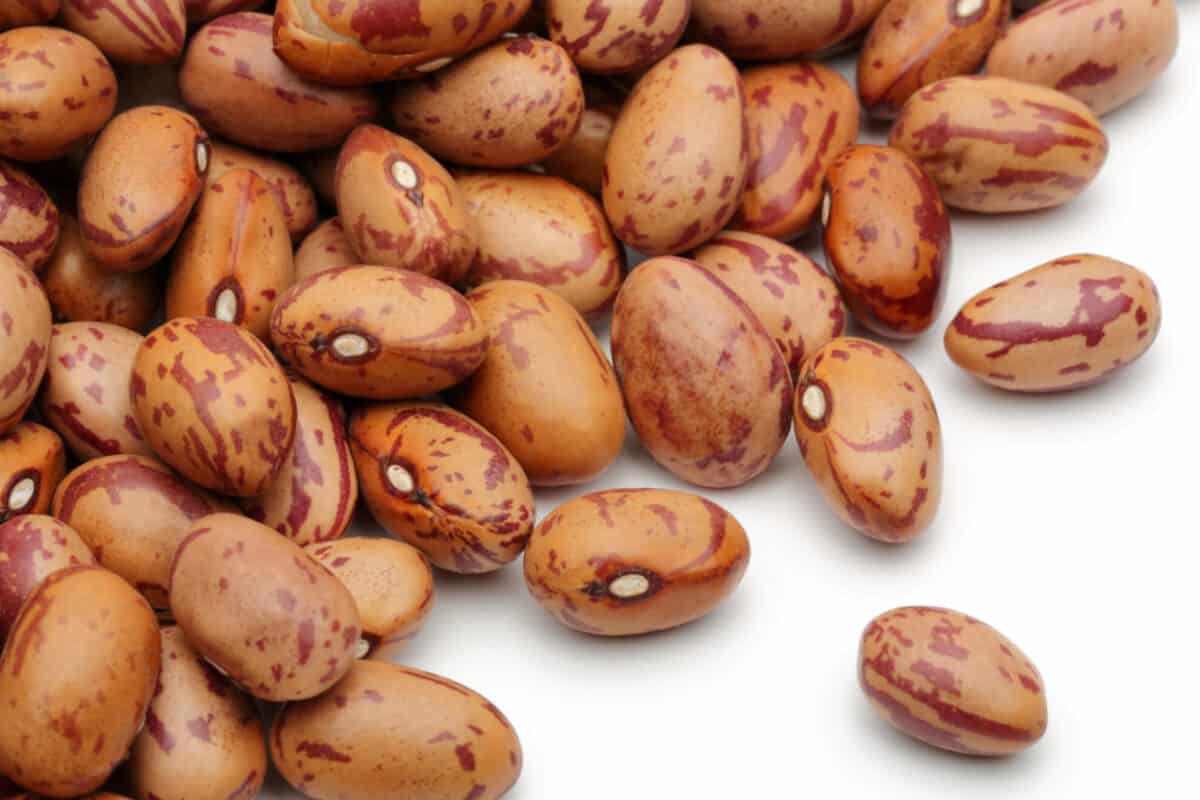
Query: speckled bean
<point x="204" y="10"/>
<point x="581" y="160"/>
<point x="25" y="338"/>
<point x="327" y="247"/>
<point x="130" y="31"/>
<point x="28" y="217"/>
<point x="769" y="30"/>
<point x="614" y="36"/>
<point x="32" y="547"/>
<point x="296" y="198"/>
<point x="32" y="462"/>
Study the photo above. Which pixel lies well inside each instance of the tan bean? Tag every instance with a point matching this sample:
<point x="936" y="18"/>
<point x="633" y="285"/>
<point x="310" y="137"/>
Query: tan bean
<point x="581" y="160"/>
<point x="33" y="547"/>
<point x="626" y="36"/>
<point x="130" y="31"/>
<point x="770" y="30"/>
<point x="32" y="12"/>
<point x="327" y="247"/>
<point x="25" y="333"/>
<point x="296" y="198"/>
<point x="32" y="463"/>
<point x="28" y="217"/>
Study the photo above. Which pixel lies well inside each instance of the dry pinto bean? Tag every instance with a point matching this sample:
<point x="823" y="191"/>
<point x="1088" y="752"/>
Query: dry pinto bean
<point x="80" y="290"/>
<point x="133" y="512"/>
<point x="378" y="332"/>
<point x="295" y="196"/>
<point x="314" y="496"/>
<point x="1066" y="324"/>
<point x="203" y="737"/>
<point x="796" y="301"/>
<point x="235" y="83"/>
<point x="543" y="230"/>
<point x="770" y="30"/>
<point x="85" y="396"/>
<point x="28" y="217"/>
<point x="392" y="731"/>
<point x="351" y="43"/>
<point x="887" y="239"/>
<point x="130" y="31"/>
<point x="545" y="390"/>
<point x="706" y="387"/>
<point x="60" y="92"/>
<point x="510" y="104"/>
<point x="914" y="43"/>
<point x="392" y="586"/>
<point x="325" y="248"/>
<point x="800" y="116"/>
<point x="670" y="184"/>
<point x="444" y="484"/>
<point x="139" y="183"/>
<point x="996" y="145"/>
<point x="81" y="662"/>
<point x="25" y="337"/>
<point x="581" y="160"/>
<point x="235" y="258"/>
<point x="1104" y="53"/>
<point x="951" y="681"/>
<point x="320" y="167"/>
<point x="253" y="604"/>
<point x="213" y="402"/>
<point x="631" y="561"/>
<point x="204" y="10"/>
<point x="27" y="12"/>
<point x="32" y="547"/>
<point x="32" y="462"/>
<point x="400" y="208"/>
<point x="870" y="434"/>
<point x="617" y="35"/>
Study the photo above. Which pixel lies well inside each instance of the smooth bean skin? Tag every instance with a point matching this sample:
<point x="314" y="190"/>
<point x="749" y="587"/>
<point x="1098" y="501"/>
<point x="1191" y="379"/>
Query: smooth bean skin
<point x="887" y="240"/>
<point x="54" y="102"/>
<point x="325" y="248"/>
<point x="32" y="463"/>
<point x="25" y="335"/>
<point x="870" y="435"/>
<point x="204" y="10"/>
<point x="631" y="561"/>
<point x="133" y="512"/>
<point x="800" y="115"/>
<point x="33" y="547"/>
<point x="29" y="219"/>
<point x="995" y="145"/>
<point x="1066" y="324"/>
<point x="1104" y="54"/>
<point x="253" y="603"/>
<point x="392" y="731"/>
<point x="296" y="197"/>
<point x="794" y="298"/>
<point x="85" y="396"/>
<point x="581" y="160"/>
<point x="770" y="30"/>
<point x="617" y="36"/>
<point x="707" y="389"/>
<point x="130" y="31"/>
<point x="378" y="332"/>
<point x="441" y="482"/>
<point x="31" y="12"/>
<point x="951" y="681"/>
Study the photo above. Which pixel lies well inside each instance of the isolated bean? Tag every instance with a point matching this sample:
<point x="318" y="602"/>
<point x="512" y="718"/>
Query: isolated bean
<point x="378" y="332"/>
<point x="951" y="681"/>
<point x="60" y="92"/>
<point x="325" y="248"/>
<point x="670" y="184"/>
<point x="254" y="604"/>
<point x="235" y="258"/>
<point x="442" y="483"/>
<point x="631" y="561"/>
<point x="214" y="404"/>
<point x="295" y="196"/>
<point x="33" y="546"/>
<point x="133" y="512"/>
<point x="619" y="36"/>
<point x="796" y="301"/>
<point x="1104" y="53"/>
<point x="769" y="30"/>
<point x="800" y="116"/>
<point x="887" y="239"/>
<point x="581" y="160"/>
<point x="543" y="230"/>
<point x="914" y="43"/>
<point x="85" y="396"/>
<point x="28" y="217"/>
<point x="32" y="462"/>
<point x="871" y="438"/>
<point x="1066" y="324"/>
<point x="80" y="290"/>
<point x="240" y="90"/>
<point x="128" y="31"/>
<point x="400" y="208"/>
<point x="25" y="333"/>
<point x="996" y="145"/>
<point x="510" y="104"/>
<point x="139" y="183"/>
<point x="545" y="390"/>
<point x="203" y="737"/>
<point x="76" y="677"/>
<point x="392" y="731"/>
<point x="313" y="498"/>
<point x="707" y="389"/>
<point x="391" y="583"/>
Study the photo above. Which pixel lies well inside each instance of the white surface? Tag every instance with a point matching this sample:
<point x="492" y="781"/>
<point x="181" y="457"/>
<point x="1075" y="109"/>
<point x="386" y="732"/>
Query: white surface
<point x="1067" y="524"/>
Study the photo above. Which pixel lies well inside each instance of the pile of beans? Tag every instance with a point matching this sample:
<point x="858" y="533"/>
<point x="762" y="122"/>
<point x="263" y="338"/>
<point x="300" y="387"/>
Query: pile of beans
<point x="253" y="267"/>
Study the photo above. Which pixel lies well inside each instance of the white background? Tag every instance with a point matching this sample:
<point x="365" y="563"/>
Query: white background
<point x="1067" y="522"/>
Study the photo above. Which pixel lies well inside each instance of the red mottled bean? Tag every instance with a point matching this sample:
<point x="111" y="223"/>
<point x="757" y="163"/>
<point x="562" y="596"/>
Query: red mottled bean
<point x="204" y="10"/>
<point x="27" y="12"/>
<point x="769" y="30"/>
<point x="32" y="547"/>
<point x="581" y="160"/>
<point x="32" y="462"/>
<point x="28" y="217"/>
<point x="325" y="248"/>
<point x="24" y="338"/>
<point x="296" y="198"/>
<point x="612" y="36"/>
<point x="130" y="31"/>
